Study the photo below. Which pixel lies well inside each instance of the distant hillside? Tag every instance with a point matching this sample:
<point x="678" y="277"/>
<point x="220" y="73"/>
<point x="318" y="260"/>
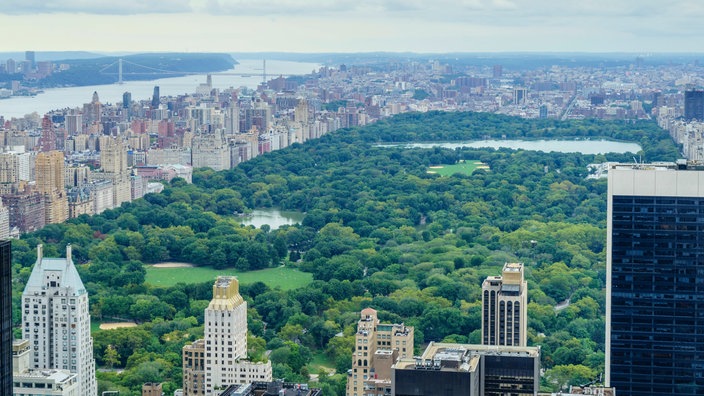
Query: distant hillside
<point x="95" y="71"/>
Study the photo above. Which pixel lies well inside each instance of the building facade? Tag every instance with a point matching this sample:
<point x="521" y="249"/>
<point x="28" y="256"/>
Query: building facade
<point x="694" y="105"/>
<point x="56" y="322"/>
<point x="50" y="183"/>
<point x="26" y="211"/>
<point x="504" y="307"/>
<point x="152" y="389"/>
<point x="377" y="347"/>
<point x="5" y="318"/>
<point x="4" y="221"/>
<point x="194" y="368"/>
<point x="210" y="151"/>
<point x="220" y="358"/>
<point x="39" y="382"/>
<point x="655" y="280"/>
<point x="468" y="370"/>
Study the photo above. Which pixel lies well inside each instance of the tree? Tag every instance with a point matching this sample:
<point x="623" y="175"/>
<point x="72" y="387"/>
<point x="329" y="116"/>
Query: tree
<point x="562" y="376"/>
<point x="111" y="357"/>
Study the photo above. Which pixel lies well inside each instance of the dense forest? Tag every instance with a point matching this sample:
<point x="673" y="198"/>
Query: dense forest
<point x="379" y="231"/>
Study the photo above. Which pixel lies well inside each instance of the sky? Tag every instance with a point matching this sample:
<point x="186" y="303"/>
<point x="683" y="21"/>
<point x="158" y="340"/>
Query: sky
<point x="435" y="26"/>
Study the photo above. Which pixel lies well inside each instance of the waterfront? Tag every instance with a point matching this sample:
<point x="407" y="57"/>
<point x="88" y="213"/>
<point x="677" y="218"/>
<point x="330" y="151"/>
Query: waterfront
<point x="563" y="146"/>
<point x="60" y="98"/>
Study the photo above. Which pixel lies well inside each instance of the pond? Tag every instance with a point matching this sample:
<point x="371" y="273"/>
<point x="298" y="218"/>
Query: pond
<point x="274" y="217"/>
<point x="563" y="146"/>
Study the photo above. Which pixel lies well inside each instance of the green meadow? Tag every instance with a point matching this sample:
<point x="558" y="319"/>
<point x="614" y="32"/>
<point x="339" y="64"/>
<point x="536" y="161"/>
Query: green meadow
<point x="283" y="277"/>
<point x="463" y="167"/>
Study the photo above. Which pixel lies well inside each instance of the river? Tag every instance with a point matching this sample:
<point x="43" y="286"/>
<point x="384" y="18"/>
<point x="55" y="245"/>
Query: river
<point x="59" y="98"/>
<point x="562" y="146"/>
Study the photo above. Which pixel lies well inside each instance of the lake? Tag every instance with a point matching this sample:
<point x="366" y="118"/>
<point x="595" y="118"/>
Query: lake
<point x="275" y="218"/>
<point x="59" y="98"/>
<point x="562" y="146"/>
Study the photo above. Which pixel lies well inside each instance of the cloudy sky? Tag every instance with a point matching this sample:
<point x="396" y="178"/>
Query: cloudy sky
<point x="640" y="26"/>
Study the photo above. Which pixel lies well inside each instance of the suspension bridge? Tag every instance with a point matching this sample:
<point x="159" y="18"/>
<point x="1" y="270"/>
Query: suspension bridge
<point x="122" y="68"/>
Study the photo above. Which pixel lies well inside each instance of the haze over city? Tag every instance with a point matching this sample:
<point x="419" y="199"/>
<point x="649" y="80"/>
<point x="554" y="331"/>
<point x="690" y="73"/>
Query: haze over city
<point x="353" y="26"/>
<point x="351" y="198"/>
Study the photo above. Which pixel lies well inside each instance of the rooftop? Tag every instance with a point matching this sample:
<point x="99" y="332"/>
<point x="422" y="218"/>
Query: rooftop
<point x="513" y="267"/>
<point x="56" y="376"/>
<point x="54" y="273"/>
<point x="440" y="349"/>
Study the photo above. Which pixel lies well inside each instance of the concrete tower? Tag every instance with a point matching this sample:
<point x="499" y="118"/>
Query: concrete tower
<point x="504" y="307"/>
<point x="56" y="322"/>
<point x="378" y="346"/>
<point x="219" y="359"/>
<point x="50" y="183"/>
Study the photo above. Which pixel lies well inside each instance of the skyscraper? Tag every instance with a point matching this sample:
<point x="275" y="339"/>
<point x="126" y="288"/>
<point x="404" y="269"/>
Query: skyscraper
<point x="378" y="346"/>
<point x="220" y="359"/>
<point x="126" y="100"/>
<point x="655" y="280"/>
<point x="156" y="99"/>
<point x="544" y="111"/>
<point x="694" y="105"/>
<point x="519" y="95"/>
<point x="30" y="57"/>
<point x="47" y="142"/>
<point x="56" y="321"/>
<point x="504" y="307"/>
<point x="5" y="318"/>
<point x="497" y="71"/>
<point x="50" y="183"/>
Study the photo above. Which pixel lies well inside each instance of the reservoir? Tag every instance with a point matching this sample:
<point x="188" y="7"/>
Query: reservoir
<point x="561" y="146"/>
<point x="60" y="98"/>
<point x="275" y="218"/>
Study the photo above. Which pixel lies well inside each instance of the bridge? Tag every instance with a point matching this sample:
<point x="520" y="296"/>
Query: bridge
<point x="142" y="70"/>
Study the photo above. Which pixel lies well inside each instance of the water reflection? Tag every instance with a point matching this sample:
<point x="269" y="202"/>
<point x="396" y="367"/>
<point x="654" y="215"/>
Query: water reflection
<point x="275" y="218"/>
<point x="562" y="146"/>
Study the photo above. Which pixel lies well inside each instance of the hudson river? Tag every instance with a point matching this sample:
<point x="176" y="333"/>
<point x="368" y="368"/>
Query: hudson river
<point x="59" y="98"/>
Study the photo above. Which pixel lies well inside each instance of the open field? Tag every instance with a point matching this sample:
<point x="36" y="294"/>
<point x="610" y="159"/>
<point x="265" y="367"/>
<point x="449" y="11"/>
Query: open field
<point x="171" y="264"/>
<point x="116" y="325"/>
<point x="321" y="361"/>
<point x="108" y="324"/>
<point x="462" y="167"/>
<point x="283" y="277"/>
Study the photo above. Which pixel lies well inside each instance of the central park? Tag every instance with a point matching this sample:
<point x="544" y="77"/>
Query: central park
<point x="379" y="231"/>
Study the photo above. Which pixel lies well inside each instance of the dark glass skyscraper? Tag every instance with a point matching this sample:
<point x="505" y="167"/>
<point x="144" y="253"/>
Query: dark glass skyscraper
<point x="5" y="319"/>
<point x="655" y="280"/>
<point x="694" y="105"/>
<point x="156" y="98"/>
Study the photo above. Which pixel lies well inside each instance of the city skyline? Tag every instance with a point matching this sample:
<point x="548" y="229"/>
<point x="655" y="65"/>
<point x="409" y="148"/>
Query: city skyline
<point x="345" y="26"/>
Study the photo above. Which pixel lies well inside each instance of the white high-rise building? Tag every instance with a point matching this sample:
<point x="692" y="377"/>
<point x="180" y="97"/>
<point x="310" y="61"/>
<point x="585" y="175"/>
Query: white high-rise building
<point x="225" y="331"/>
<point x="219" y="359"/>
<point x="56" y="322"/>
<point x="39" y="382"/>
<point x="4" y="221"/>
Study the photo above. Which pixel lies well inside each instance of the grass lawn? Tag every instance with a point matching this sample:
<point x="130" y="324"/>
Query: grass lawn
<point x="283" y="277"/>
<point x="320" y="360"/>
<point x="463" y="167"/>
